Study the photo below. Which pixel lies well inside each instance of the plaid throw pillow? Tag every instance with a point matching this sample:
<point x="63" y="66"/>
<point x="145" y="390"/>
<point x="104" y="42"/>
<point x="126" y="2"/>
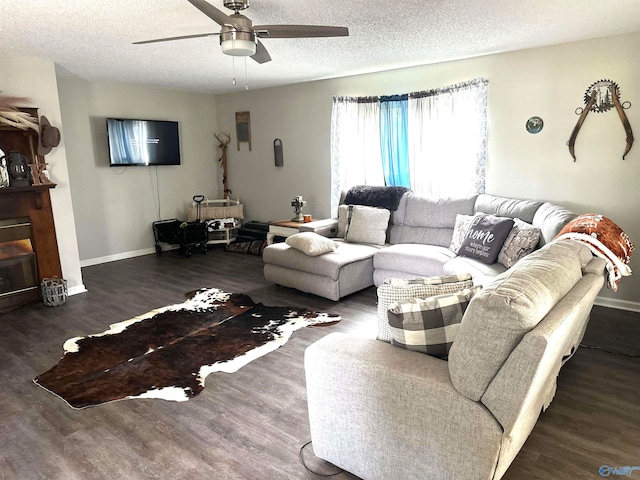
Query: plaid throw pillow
<point x="429" y="326"/>
<point x="397" y="290"/>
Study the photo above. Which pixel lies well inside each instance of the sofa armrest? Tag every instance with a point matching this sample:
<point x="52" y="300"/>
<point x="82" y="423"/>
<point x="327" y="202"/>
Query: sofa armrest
<point x="596" y="266"/>
<point x="326" y="228"/>
<point x="366" y="397"/>
<point x="526" y="383"/>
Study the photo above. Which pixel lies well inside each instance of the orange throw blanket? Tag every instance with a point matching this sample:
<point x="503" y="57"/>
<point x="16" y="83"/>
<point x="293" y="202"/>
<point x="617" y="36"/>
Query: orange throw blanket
<point x="606" y="240"/>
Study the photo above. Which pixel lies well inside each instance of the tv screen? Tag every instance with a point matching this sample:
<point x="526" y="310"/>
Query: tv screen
<point x="142" y="142"/>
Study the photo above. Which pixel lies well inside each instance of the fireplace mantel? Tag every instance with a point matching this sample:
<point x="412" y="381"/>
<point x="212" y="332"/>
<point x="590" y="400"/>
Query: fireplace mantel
<point x="36" y="190"/>
<point x="34" y="202"/>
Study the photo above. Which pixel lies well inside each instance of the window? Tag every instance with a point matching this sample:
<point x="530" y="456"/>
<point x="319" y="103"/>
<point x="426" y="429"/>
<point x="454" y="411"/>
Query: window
<point x="433" y="142"/>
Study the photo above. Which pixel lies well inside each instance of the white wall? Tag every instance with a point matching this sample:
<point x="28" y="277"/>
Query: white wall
<point x="35" y="79"/>
<point x="115" y="207"/>
<point x="548" y="82"/>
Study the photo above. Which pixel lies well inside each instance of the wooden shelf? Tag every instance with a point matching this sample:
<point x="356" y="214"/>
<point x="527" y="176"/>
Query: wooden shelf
<point x="31" y="188"/>
<point x="223" y="236"/>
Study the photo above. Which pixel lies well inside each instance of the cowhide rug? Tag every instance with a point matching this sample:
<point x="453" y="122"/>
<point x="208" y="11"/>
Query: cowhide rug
<point x="167" y="353"/>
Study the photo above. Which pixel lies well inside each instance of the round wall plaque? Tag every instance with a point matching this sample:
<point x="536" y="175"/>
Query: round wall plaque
<point x="534" y="125"/>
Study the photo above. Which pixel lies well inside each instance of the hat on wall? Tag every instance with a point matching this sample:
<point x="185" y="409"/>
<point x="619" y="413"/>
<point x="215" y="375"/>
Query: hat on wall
<point x="49" y="136"/>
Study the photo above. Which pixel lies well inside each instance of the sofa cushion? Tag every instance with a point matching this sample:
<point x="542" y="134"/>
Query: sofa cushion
<point x="427" y="220"/>
<point x="367" y="225"/>
<point x="429" y="325"/>
<point x="522" y="240"/>
<point x="435" y="212"/>
<point x="327" y="265"/>
<point x="311" y="243"/>
<point x="481" y="272"/>
<point x="550" y="219"/>
<point x="413" y="258"/>
<point x="395" y="290"/>
<point x="506" y="309"/>
<point x="485" y="237"/>
<point x="405" y="234"/>
<point x="507" y="207"/>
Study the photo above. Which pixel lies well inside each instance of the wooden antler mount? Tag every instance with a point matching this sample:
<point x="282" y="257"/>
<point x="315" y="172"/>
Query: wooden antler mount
<point x="224" y="139"/>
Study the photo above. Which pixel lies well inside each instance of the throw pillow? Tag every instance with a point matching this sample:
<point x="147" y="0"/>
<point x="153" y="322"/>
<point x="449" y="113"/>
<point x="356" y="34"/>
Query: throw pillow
<point x="368" y="225"/>
<point x="522" y="240"/>
<point x="396" y="290"/>
<point x="460" y="229"/>
<point x="311" y="243"/>
<point x="429" y="325"/>
<point x="486" y="237"/>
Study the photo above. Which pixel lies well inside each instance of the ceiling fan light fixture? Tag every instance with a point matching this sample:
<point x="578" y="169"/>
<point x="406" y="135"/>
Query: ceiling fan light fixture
<point x="239" y="38"/>
<point x="236" y="5"/>
<point x="238" y="43"/>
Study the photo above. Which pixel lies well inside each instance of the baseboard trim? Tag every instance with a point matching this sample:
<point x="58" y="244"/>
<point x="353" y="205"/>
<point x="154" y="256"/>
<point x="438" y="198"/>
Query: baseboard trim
<point x="619" y="304"/>
<point x="77" y="289"/>
<point x="121" y="256"/>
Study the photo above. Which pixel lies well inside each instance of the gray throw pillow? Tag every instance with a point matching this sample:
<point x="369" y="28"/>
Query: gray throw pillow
<point x="522" y="240"/>
<point x="485" y="238"/>
<point x="429" y="325"/>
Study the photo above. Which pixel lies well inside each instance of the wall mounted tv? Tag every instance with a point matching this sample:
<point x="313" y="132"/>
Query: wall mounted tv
<point x="142" y="142"/>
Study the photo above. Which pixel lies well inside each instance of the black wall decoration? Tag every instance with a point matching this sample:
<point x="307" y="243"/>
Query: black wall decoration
<point x="277" y="152"/>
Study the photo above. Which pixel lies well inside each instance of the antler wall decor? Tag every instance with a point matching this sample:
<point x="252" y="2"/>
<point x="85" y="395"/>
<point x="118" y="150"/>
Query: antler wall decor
<point x="600" y="97"/>
<point x="224" y="139"/>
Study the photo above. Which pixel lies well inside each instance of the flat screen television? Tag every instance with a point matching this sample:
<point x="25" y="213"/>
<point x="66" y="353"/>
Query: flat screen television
<point x="142" y="142"/>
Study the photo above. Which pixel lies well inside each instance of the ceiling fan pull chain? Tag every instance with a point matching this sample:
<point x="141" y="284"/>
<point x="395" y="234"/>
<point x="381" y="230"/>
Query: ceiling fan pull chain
<point x="234" y="70"/>
<point x="246" y="81"/>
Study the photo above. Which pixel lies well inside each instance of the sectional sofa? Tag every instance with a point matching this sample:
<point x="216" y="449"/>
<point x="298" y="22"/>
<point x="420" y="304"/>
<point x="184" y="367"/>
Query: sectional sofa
<point x="416" y="243"/>
<point x="382" y="412"/>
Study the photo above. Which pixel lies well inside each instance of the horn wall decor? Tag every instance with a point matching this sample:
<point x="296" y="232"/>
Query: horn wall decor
<point x="602" y="96"/>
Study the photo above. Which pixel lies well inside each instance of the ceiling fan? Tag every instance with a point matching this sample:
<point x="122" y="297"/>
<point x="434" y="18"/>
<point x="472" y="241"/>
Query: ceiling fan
<point x="238" y="36"/>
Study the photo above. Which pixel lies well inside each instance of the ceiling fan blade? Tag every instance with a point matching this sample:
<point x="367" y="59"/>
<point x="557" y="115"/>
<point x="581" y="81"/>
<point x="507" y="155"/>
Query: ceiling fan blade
<point x="169" y="39"/>
<point x="214" y="14"/>
<point x="261" y="55"/>
<point x="299" y="31"/>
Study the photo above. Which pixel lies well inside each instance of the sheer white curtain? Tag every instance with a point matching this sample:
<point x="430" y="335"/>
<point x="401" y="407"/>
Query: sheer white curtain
<point x="447" y="140"/>
<point x="355" y="145"/>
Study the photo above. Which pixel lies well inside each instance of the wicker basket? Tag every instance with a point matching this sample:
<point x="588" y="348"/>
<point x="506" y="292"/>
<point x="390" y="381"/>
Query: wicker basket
<point x="54" y="291"/>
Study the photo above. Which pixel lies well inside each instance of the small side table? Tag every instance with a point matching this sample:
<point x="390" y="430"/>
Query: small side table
<point x="282" y="228"/>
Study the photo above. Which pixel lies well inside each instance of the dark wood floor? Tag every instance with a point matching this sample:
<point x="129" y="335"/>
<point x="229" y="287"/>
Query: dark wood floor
<point x="251" y="424"/>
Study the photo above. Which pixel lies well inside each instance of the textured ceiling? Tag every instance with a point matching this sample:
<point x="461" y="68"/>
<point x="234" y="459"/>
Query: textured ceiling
<point x="92" y="39"/>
